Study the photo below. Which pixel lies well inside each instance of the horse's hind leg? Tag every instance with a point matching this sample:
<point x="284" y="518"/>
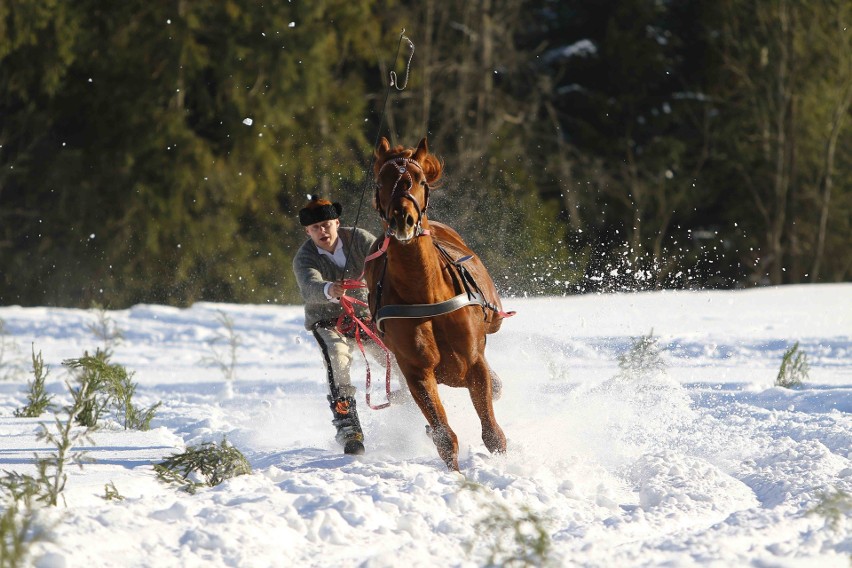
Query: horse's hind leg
<point x="424" y="390"/>
<point x="481" y="393"/>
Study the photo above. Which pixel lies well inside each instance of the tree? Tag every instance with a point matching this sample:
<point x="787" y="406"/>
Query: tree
<point x="176" y="145"/>
<point x="470" y="95"/>
<point x="633" y="132"/>
<point x="788" y="68"/>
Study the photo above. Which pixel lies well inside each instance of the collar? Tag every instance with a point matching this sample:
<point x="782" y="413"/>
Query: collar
<point x="337" y="247"/>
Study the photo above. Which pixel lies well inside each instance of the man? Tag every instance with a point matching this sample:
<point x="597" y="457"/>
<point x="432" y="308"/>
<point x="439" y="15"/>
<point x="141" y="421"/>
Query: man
<point x="320" y="265"/>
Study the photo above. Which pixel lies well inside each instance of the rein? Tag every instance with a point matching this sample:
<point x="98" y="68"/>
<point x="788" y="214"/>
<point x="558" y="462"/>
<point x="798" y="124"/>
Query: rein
<point x="346" y="302"/>
<point x="356" y="325"/>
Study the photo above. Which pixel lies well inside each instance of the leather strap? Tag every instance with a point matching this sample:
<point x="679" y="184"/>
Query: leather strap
<point x="427" y="310"/>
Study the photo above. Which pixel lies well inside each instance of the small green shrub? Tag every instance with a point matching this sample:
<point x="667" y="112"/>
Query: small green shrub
<point x="19" y="493"/>
<point x="794" y="368"/>
<point x="206" y="465"/>
<point x="112" y="387"/>
<point x="18" y="530"/>
<point x="224" y="358"/>
<point x="37" y="399"/>
<point x="643" y="359"/>
<point x="506" y="536"/>
<point x="91" y="376"/>
<point x="51" y="469"/>
<point x="111" y="493"/>
<point x="835" y="507"/>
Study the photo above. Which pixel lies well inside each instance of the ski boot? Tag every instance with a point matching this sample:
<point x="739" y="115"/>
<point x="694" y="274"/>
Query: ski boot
<point x="349" y="433"/>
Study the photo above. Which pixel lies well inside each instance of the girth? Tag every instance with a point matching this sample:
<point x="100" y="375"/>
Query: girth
<point x="426" y="310"/>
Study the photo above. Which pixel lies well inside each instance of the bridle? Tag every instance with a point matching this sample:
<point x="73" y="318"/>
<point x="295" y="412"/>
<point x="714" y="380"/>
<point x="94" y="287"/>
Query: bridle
<point x="401" y="165"/>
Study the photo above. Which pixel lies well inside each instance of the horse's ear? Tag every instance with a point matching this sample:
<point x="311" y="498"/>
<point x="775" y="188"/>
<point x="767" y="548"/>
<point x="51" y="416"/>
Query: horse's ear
<point x="422" y="150"/>
<point x="383" y="147"/>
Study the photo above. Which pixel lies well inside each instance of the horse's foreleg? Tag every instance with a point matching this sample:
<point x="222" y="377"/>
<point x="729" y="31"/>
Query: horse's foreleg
<point x="424" y="390"/>
<point x="481" y="393"/>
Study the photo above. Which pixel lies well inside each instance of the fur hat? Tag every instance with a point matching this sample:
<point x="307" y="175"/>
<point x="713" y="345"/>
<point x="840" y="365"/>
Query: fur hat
<point x="318" y="210"/>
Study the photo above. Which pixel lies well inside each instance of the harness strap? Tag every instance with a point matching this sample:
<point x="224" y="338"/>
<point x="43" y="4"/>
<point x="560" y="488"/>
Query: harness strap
<point x="427" y="310"/>
<point x="346" y="326"/>
<point x="472" y="294"/>
<point x="469" y="284"/>
<point x="382" y="250"/>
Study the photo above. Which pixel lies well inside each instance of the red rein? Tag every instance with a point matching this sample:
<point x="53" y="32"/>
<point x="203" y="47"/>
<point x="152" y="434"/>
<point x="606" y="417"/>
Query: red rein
<point x="348" y="304"/>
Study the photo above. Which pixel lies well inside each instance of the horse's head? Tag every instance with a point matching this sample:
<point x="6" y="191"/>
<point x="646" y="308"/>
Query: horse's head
<point x="403" y="176"/>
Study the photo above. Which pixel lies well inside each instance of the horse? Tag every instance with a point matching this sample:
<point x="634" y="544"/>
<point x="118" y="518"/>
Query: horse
<point x="432" y="298"/>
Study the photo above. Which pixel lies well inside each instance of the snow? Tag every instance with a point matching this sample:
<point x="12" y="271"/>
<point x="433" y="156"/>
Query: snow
<point x="705" y="464"/>
<point x="582" y="48"/>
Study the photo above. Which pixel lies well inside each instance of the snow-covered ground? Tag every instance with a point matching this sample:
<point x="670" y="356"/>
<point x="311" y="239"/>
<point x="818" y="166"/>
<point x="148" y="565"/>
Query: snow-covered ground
<point x="708" y="464"/>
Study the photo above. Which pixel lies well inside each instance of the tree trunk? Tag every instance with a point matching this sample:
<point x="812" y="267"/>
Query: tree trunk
<point x="782" y="154"/>
<point x="827" y="178"/>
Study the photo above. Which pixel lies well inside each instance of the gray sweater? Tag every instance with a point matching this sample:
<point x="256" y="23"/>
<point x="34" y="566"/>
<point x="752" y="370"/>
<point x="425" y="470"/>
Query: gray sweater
<point x="313" y="270"/>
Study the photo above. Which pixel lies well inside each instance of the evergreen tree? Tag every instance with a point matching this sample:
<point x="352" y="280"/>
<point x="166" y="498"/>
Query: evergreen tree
<point x="159" y="152"/>
<point x="157" y="187"/>
<point x="632" y="132"/>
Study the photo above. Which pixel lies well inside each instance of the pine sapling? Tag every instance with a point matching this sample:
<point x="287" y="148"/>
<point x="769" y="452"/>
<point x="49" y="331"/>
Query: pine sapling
<point x="112" y="387"/>
<point x="794" y="368"/>
<point x="37" y="399"/>
<point x="643" y="360"/>
<point x="51" y="469"/>
<point x="224" y="359"/>
<point x="509" y="537"/>
<point x="835" y="507"/>
<point x="111" y="493"/>
<point x="92" y="379"/>
<point x="18" y="530"/>
<point x="120" y="389"/>
<point x="205" y="465"/>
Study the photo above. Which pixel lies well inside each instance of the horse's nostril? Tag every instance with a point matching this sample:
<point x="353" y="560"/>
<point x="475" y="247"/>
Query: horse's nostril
<point x="409" y="220"/>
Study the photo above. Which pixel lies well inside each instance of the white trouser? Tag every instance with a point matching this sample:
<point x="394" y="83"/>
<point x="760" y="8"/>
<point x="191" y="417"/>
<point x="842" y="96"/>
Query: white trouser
<point x="338" y="351"/>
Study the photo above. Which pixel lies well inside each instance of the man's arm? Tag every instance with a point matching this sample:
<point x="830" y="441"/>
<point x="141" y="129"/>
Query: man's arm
<point x="312" y="285"/>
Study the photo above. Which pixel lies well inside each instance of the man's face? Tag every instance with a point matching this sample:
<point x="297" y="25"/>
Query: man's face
<point x="324" y="234"/>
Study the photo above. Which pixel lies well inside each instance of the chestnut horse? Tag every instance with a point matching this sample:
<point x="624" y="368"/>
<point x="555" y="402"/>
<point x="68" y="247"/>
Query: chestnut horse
<point x="432" y="297"/>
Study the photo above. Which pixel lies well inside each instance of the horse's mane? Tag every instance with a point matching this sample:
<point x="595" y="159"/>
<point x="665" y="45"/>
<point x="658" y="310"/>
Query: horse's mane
<point x="432" y="166"/>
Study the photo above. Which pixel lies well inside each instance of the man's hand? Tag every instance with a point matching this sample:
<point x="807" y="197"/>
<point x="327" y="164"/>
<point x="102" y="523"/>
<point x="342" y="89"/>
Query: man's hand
<point x="336" y="290"/>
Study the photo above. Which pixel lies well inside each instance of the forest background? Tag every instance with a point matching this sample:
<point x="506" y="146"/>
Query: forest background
<point x="157" y="151"/>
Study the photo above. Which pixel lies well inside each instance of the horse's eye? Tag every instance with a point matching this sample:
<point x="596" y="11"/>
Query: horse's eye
<point x="423" y="182"/>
